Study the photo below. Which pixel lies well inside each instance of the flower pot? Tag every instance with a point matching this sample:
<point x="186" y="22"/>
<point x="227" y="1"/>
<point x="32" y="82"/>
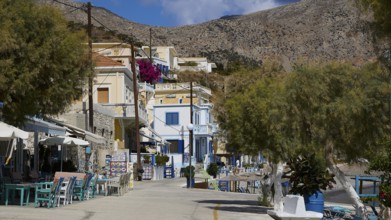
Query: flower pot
<point x="188" y="182"/>
<point x="314" y="202"/>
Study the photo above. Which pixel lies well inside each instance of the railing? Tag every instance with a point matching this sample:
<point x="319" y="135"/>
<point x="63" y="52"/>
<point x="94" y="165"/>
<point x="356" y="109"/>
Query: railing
<point x="126" y="110"/>
<point x="203" y="129"/>
<point x="146" y="87"/>
<point x="193" y="68"/>
<point x="172" y="86"/>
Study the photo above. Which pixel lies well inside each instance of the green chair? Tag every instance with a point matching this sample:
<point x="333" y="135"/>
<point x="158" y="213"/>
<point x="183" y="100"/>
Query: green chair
<point x="81" y="189"/>
<point x="93" y="185"/>
<point x="48" y="193"/>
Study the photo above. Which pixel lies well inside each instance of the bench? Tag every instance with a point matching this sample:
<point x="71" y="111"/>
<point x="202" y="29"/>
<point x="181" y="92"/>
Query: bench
<point x="294" y="208"/>
<point x="66" y="175"/>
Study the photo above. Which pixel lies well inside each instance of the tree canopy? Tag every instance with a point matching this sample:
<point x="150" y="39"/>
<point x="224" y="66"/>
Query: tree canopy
<point x="333" y="108"/>
<point x="308" y="107"/>
<point x="43" y="64"/>
<point x="382" y="13"/>
<point x="249" y="111"/>
<point x="339" y="104"/>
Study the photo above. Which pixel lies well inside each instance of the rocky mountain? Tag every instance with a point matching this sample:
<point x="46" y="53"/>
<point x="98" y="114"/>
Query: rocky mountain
<point x="310" y="29"/>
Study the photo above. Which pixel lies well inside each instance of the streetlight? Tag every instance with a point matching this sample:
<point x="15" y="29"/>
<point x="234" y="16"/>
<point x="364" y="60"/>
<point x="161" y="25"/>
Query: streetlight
<point x="190" y="128"/>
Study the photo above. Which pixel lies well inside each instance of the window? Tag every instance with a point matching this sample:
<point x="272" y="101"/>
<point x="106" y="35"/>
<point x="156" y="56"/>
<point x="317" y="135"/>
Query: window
<point x="176" y="146"/>
<point x="103" y="95"/>
<point x="172" y="118"/>
<point x="197" y="118"/>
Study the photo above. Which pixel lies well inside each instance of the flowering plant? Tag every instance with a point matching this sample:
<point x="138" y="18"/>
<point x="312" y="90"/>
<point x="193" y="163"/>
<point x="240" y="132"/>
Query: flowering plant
<point x="385" y="194"/>
<point x="148" y="72"/>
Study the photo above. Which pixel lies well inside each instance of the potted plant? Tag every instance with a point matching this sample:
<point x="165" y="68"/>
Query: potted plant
<point x="161" y="160"/>
<point x="186" y="173"/>
<point x="308" y="175"/>
<point x="380" y="163"/>
<point x="212" y="169"/>
<point x="147" y="159"/>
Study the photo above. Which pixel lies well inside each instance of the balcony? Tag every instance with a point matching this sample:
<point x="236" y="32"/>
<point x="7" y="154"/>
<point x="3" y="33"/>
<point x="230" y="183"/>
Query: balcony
<point x="203" y="129"/>
<point x="146" y="87"/>
<point x="127" y="111"/>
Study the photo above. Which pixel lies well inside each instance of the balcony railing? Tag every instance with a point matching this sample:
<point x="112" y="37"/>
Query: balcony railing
<point x="203" y="129"/>
<point x="127" y="110"/>
<point x="146" y="87"/>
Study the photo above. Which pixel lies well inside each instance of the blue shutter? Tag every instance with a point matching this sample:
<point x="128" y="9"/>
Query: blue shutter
<point x="172" y="118"/>
<point x="181" y="146"/>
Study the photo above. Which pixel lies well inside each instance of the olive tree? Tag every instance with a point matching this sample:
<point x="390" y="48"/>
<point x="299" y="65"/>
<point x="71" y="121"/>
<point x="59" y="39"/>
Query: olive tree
<point x="43" y="64"/>
<point x="340" y="109"/>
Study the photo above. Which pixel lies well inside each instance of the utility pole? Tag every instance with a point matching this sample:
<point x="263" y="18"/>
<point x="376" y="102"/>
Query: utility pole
<point x="150" y="45"/>
<point x="191" y="132"/>
<point x="91" y="76"/>
<point x="90" y="80"/>
<point x="135" y="93"/>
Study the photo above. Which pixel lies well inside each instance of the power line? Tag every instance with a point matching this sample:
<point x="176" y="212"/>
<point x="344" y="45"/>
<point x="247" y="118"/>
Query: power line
<point x="69" y="12"/>
<point x="166" y="124"/>
<point x="72" y="6"/>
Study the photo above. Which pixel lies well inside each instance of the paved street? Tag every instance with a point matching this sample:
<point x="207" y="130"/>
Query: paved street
<point x="166" y="199"/>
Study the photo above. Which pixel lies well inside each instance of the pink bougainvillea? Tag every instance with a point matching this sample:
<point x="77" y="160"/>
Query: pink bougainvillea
<point x="149" y="73"/>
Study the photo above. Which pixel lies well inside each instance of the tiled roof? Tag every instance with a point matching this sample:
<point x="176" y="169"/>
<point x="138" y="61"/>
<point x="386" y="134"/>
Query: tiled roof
<point x="101" y="61"/>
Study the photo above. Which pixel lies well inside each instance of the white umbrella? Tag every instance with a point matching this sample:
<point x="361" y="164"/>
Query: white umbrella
<point x="8" y="132"/>
<point x="62" y="140"/>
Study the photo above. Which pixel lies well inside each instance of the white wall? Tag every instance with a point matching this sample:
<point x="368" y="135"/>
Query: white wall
<point x="173" y="132"/>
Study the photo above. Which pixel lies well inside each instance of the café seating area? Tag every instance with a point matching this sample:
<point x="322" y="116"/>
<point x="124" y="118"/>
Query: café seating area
<point x="62" y="189"/>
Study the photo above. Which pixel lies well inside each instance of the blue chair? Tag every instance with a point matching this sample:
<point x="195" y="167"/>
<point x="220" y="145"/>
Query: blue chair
<point x="48" y="193"/>
<point x="92" y="187"/>
<point x="81" y="190"/>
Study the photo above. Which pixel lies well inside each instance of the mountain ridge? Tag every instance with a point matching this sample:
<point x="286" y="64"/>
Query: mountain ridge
<point x="309" y="29"/>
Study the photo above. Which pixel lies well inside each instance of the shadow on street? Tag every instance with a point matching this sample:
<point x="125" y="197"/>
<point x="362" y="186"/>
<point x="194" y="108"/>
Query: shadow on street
<point x="247" y="206"/>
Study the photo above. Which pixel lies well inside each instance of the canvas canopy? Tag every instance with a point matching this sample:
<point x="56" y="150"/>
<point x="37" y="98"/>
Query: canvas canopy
<point x="8" y="132"/>
<point x="63" y="140"/>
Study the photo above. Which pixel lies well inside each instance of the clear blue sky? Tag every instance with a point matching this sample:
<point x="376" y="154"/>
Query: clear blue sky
<point x="170" y="13"/>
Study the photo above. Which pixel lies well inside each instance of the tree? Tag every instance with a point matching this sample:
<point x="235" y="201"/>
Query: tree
<point x="254" y="120"/>
<point x="340" y="109"/>
<point x="42" y="64"/>
<point x="333" y="108"/>
<point x="148" y="72"/>
<point x="381" y="10"/>
<point x="381" y="163"/>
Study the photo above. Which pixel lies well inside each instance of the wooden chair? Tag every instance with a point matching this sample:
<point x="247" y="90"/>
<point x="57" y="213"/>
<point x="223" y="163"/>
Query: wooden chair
<point x="86" y="189"/>
<point x="81" y="190"/>
<point x="65" y="191"/>
<point x="93" y="185"/>
<point x="48" y="192"/>
<point x="117" y="184"/>
<point x="71" y="188"/>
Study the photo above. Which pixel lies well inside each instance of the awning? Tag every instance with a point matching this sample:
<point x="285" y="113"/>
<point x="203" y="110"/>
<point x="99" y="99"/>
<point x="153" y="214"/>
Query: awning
<point x="78" y="132"/>
<point x="8" y="132"/>
<point x="94" y="138"/>
<point x="39" y="125"/>
<point x="63" y="140"/>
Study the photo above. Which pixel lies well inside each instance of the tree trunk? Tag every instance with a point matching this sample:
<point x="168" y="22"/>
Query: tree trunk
<point x="277" y="173"/>
<point x="360" y="207"/>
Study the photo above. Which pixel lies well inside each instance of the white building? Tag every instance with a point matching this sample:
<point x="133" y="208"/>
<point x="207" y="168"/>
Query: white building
<point x="193" y="64"/>
<point x="172" y="115"/>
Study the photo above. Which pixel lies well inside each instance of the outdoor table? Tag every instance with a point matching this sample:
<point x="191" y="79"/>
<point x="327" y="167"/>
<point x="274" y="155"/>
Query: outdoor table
<point x="22" y="188"/>
<point x="102" y="182"/>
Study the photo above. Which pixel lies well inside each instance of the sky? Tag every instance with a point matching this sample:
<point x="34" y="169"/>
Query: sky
<point x="172" y="13"/>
